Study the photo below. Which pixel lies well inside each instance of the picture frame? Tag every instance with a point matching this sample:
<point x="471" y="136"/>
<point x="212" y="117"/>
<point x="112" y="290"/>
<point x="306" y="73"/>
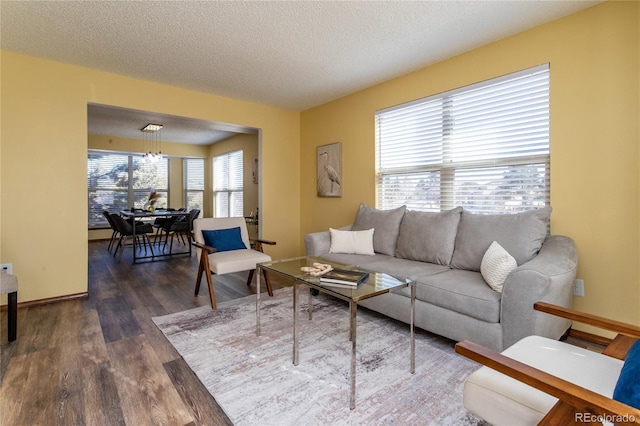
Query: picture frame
<point x="329" y="170"/>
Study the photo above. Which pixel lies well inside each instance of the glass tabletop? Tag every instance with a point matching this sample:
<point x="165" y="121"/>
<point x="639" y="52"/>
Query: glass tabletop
<point x="377" y="282"/>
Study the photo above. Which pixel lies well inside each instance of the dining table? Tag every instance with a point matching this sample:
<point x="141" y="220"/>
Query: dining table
<point x="147" y="215"/>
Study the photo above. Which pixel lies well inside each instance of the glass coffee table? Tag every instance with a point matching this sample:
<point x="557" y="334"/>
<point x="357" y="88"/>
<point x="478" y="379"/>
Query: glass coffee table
<point x="376" y="284"/>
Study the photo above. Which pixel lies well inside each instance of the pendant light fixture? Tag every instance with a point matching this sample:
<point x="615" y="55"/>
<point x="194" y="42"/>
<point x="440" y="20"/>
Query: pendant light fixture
<point x="153" y="141"/>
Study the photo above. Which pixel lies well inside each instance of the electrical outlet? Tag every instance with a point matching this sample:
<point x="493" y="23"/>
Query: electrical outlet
<point x="8" y="267"/>
<point x="578" y="288"/>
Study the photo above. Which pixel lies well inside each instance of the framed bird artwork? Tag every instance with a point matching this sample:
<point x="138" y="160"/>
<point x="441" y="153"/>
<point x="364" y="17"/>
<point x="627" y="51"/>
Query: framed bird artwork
<point x="329" y="160"/>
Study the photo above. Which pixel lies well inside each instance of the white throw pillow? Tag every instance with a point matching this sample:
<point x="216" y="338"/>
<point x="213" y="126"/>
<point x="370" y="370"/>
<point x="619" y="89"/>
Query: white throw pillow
<point x="352" y="242"/>
<point x="496" y="266"/>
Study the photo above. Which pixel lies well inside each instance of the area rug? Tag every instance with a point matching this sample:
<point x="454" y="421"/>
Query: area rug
<point x="255" y="382"/>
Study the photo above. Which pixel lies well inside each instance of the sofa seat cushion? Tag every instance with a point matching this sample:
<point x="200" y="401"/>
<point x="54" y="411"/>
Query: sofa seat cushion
<point x="403" y="268"/>
<point x="521" y="234"/>
<point x="501" y="400"/>
<point x="464" y="292"/>
<point x="226" y="262"/>
<point x="428" y="236"/>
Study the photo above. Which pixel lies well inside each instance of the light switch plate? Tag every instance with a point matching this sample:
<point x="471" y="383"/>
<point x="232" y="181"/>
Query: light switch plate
<point x="8" y="267"/>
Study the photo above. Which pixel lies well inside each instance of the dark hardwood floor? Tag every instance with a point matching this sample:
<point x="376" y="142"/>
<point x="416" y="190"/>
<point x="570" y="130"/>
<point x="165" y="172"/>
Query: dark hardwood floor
<point x="101" y="360"/>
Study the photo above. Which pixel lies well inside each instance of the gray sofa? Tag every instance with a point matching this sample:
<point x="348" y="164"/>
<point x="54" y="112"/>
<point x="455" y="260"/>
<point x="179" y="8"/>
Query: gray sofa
<point x="443" y="253"/>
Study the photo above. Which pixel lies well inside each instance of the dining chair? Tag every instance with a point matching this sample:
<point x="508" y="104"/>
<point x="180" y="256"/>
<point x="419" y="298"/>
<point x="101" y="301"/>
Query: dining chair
<point x="548" y="382"/>
<point x="126" y="230"/>
<point x="223" y="246"/>
<point x="159" y="223"/>
<point x="181" y="226"/>
<point x="113" y="226"/>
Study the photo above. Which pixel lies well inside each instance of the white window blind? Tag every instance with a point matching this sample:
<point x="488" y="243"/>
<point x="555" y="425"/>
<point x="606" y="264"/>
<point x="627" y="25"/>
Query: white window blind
<point x="117" y="182"/>
<point x="194" y="183"/>
<point x="149" y="177"/>
<point x="484" y="147"/>
<point x="228" y="185"/>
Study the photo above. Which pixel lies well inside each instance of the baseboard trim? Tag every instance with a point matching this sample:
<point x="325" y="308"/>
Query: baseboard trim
<point x="49" y="300"/>
<point x="605" y="341"/>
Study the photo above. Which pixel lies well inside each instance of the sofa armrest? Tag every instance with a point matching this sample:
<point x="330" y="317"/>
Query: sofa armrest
<point x="548" y="277"/>
<point x="318" y="243"/>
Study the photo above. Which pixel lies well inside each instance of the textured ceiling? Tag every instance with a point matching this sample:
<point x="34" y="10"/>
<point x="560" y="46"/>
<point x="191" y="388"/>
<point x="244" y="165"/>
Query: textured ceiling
<point x="291" y="54"/>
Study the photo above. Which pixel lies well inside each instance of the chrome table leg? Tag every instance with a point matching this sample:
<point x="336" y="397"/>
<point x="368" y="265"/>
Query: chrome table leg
<point x="295" y="323"/>
<point x="354" y="307"/>
<point x="413" y="337"/>
<point x="257" y="301"/>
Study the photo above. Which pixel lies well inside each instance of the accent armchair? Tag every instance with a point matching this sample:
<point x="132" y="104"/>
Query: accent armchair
<point x="548" y="382"/>
<point x="223" y="247"/>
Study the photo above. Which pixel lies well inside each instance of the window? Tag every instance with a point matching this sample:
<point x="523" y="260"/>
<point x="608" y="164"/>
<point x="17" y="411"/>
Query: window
<point x="194" y="183"/>
<point x="484" y="147"/>
<point x="119" y="181"/>
<point x="227" y="185"/>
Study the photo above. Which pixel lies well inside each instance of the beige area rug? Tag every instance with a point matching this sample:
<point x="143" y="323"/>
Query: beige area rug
<point x="255" y="382"/>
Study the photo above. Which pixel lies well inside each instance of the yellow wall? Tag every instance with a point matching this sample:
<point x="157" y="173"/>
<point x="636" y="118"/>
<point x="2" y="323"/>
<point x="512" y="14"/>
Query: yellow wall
<point x="43" y="164"/>
<point x="595" y="178"/>
<point x="171" y="149"/>
<point x="176" y="183"/>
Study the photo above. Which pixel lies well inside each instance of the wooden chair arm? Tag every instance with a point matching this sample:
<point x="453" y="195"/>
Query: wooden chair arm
<point x="257" y="243"/>
<point x="594" y="320"/>
<point x="207" y="248"/>
<point x="259" y="240"/>
<point x="583" y="400"/>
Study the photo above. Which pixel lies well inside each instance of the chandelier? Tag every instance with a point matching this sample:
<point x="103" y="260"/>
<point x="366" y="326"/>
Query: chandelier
<point x="153" y="141"/>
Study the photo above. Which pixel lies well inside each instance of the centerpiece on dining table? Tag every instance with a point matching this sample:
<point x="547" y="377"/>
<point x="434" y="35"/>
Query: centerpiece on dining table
<point x="151" y="203"/>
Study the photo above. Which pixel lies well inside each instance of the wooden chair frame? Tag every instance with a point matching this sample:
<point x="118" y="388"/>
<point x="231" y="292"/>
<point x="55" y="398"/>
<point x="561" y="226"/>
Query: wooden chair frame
<point x="203" y="267"/>
<point x="573" y="401"/>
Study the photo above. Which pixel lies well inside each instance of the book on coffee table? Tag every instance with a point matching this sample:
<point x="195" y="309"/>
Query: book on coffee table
<point x="344" y="276"/>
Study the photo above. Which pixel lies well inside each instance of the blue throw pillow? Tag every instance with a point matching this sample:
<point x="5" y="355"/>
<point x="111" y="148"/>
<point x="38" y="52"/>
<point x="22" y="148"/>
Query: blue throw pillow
<point x="627" y="389"/>
<point x="224" y="239"/>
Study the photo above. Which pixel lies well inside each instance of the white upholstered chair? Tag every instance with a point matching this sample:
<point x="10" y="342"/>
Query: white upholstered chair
<point x="225" y="257"/>
<point x="547" y="382"/>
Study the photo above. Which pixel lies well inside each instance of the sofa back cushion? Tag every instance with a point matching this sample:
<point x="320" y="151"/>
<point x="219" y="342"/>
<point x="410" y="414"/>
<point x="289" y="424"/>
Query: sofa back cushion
<point x="386" y="225"/>
<point x="521" y="234"/>
<point x="427" y="236"/>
